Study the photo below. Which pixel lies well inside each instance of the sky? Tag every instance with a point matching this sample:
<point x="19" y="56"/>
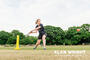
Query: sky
<point x="22" y="14"/>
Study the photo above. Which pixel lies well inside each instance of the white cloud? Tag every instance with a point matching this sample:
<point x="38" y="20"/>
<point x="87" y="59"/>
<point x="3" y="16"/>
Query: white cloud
<point x="21" y="14"/>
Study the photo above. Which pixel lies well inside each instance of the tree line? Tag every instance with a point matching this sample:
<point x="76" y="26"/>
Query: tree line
<point x="55" y="36"/>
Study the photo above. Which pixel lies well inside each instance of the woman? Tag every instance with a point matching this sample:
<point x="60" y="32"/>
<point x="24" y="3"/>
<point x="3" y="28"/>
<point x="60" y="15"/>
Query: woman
<point x="42" y="34"/>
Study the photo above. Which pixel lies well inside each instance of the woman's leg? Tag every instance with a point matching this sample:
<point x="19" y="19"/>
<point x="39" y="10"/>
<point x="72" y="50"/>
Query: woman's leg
<point x="38" y="42"/>
<point x="44" y="41"/>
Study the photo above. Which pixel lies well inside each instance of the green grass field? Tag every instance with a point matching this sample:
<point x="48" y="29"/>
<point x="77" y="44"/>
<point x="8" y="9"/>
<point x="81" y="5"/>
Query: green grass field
<point x="60" y="47"/>
<point x="27" y="53"/>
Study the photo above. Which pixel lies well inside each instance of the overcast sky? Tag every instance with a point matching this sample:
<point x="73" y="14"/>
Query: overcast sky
<point x="22" y="14"/>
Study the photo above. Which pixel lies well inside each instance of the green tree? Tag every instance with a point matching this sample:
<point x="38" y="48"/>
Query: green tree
<point x="4" y="37"/>
<point x="11" y="40"/>
<point x="17" y="32"/>
<point x="73" y="36"/>
<point x="86" y="27"/>
<point x="78" y="37"/>
<point x="55" y="35"/>
<point x="13" y="37"/>
<point x="86" y="34"/>
<point x="28" y="40"/>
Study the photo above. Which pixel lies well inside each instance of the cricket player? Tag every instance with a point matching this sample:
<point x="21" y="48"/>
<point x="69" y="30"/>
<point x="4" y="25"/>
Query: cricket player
<point x="42" y="35"/>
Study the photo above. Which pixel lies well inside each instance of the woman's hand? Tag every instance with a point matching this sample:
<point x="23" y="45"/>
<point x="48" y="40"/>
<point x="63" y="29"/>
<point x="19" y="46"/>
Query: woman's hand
<point x="29" y="33"/>
<point x="33" y="31"/>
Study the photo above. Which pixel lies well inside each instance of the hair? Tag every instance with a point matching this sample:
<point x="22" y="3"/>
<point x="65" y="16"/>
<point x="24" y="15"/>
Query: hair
<point x="37" y="21"/>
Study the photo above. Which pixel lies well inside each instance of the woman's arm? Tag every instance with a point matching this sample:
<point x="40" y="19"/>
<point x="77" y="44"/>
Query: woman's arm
<point x="35" y="30"/>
